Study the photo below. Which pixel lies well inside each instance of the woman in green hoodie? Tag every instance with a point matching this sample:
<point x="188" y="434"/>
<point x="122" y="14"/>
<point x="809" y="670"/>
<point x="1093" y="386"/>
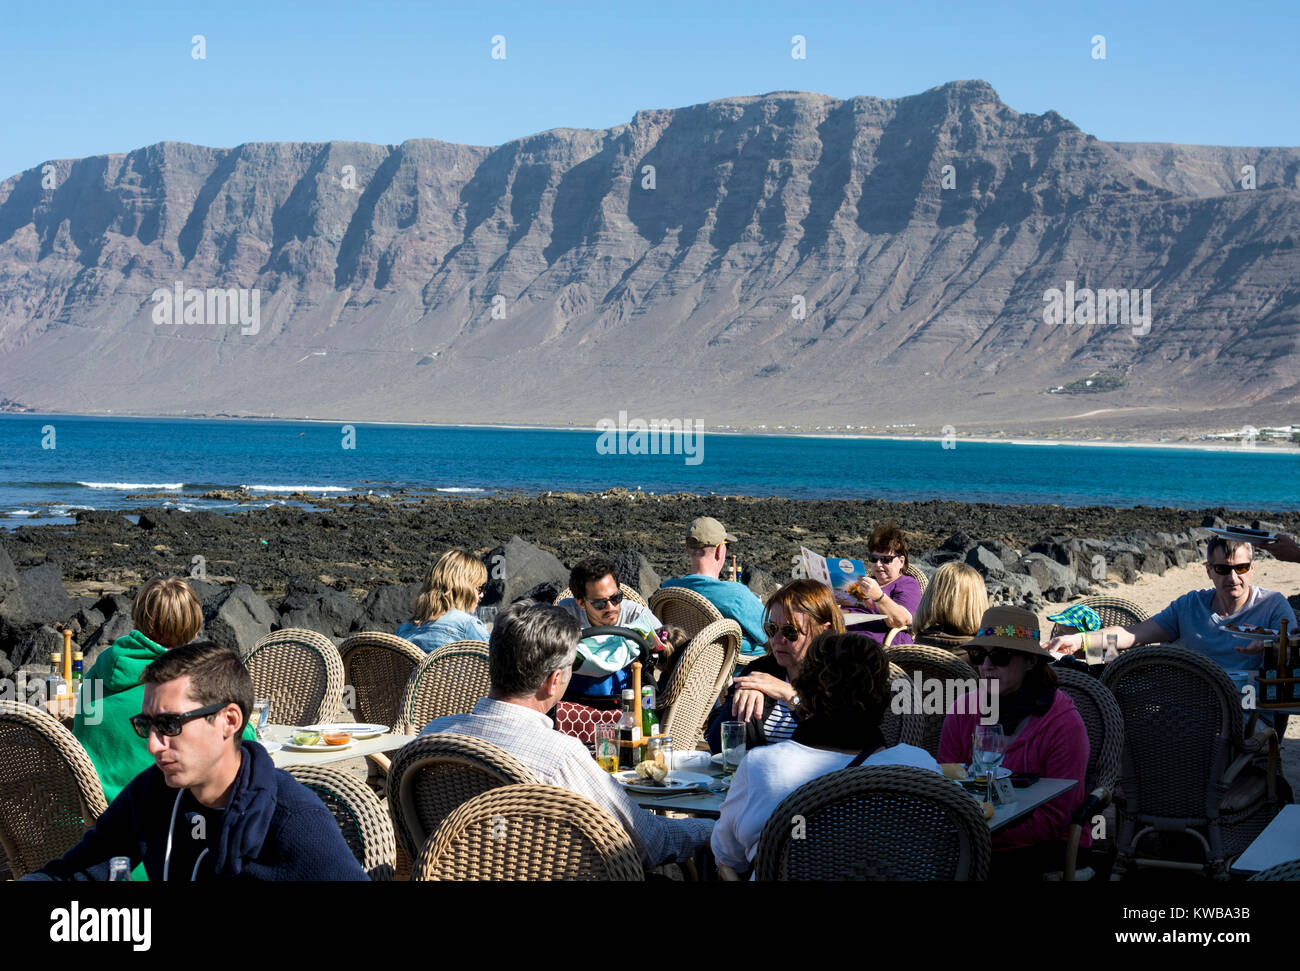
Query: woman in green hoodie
<point x="166" y="615"/>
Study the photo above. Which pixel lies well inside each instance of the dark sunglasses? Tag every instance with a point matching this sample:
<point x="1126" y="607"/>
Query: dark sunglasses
<point x="171" y="725"/>
<point x="878" y="558"/>
<point x="790" y="632"/>
<point x="1000" y="656"/>
<point x="1222" y="569"/>
<point x="604" y="602"/>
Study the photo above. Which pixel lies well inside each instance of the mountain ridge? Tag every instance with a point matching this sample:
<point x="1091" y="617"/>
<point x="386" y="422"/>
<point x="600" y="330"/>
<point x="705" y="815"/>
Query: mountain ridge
<point x="379" y="286"/>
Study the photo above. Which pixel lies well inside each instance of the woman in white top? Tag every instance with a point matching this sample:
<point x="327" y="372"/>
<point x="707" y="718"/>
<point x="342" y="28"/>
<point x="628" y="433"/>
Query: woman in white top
<point x="843" y="691"/>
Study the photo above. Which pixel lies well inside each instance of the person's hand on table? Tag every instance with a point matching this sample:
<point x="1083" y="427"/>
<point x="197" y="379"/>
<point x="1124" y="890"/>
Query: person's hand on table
<point x="1283" y="547"/>
<point x="1065" y="645"/>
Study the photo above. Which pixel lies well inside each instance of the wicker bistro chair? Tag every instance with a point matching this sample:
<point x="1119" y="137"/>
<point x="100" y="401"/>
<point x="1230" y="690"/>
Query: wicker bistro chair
<point x="301" y="672"/>
<point x="1105" y="723"/>
<point x="697" y="679"/>
<point x="361" y="817"/>
<point x="50" y="793"/>
<point x="1289" y="871"/>
<point x="916" y="573"/>
<point x="934" y="665"/>
<point x="1185" y="762"/>
<point x="529" y="832"/>
<point x="377" y="666"/>
<point x="1113" y="611"/>
<point x="435" y="774"/>
<point x="876" y="823"/>
<point x="909" y="726"/>
<point x="679" y="607"/>
<point x="449" y="681"/>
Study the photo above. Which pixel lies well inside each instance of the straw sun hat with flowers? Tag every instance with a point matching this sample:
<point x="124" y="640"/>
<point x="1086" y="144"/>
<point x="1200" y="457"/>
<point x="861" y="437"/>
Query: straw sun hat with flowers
<point x="1014" y="628"/>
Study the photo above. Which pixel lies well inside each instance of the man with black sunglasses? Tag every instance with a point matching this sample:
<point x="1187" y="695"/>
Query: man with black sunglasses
<point x="604" y="660"/>
<point x="212" y="806"/>
<point x="1195" y="619"/>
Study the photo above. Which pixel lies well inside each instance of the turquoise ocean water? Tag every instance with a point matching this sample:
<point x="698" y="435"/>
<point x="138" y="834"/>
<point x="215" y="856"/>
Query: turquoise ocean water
<point x="97" y="462"/>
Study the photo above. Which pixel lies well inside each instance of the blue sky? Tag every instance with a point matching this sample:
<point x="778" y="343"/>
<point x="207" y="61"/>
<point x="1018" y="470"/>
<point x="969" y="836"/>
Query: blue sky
<point x="90" y="78"/>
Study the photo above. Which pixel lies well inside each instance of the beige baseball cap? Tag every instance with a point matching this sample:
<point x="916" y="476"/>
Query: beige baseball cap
<point x="706" y="532"/>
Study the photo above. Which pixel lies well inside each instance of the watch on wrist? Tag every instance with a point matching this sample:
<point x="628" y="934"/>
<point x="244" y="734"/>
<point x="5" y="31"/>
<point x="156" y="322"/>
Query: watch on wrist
<point x="794" y="702"/>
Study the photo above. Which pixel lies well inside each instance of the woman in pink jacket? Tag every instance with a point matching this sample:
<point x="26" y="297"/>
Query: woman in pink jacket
<point x="1045" y="735"/>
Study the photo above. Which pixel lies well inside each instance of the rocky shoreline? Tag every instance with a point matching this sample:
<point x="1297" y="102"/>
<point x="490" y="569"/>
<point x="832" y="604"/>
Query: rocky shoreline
<point x="353" y="562"/>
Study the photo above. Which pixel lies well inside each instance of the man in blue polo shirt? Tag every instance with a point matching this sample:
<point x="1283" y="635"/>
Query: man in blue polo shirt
<point x="706" y="546"/>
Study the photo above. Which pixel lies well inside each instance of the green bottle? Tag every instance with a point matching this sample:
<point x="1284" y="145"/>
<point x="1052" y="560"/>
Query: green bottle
<point x="649" y="720"/>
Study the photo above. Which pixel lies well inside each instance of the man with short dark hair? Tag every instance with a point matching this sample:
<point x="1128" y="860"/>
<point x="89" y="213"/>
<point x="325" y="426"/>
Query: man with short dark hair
<point x="605" y="660"/>
<point x="706" y="547"/>
<point x="212" y="806"/>
<point x="532" y="650"/>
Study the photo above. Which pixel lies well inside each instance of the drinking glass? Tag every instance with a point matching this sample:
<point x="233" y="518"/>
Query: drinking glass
<point x="660" y="749"/>
<point x="733" y="747"/>
<point x="261" y="716"/>
<point x="606" y="735"/>
<point x="1095" y="654"/>
<point x="988" y="744"/>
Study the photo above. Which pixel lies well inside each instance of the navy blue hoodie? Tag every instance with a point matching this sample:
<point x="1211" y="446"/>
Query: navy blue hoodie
<point x="273" y="828"/>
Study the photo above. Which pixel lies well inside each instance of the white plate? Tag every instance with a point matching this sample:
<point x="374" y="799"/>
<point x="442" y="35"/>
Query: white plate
<point x="679" y="782"/>
<point x="1001" y="772"/>
<point x="1258" y="634"/>
<point x="318" y="747"/>
<point x="1248" y="536"/>
<point x="271" y="746"/>
<point x="358" y="730"/>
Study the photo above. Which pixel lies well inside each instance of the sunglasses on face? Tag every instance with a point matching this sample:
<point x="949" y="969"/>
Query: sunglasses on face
<point x="1223" y="569"/>
<point x="882" y="557"/>
<point x="1000" y="656"/>
<point x="790" y="632"/>
<point x="603" y="602"/>
<point x="171" y="725"/>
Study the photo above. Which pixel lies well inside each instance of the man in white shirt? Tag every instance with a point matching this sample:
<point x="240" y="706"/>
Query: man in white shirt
<point x="531" y="654"/>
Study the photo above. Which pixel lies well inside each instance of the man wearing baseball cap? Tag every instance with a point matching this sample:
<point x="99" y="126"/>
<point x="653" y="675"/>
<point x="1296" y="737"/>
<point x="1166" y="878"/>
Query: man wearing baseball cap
<point x="706" y="547"/>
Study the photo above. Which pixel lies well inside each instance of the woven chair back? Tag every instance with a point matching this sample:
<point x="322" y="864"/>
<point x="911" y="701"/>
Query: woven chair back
<point x="1182" y="723"/>
<point x="435" y="774"/>
<point x="1113" y="611"/>
<point x="50" y="793"/>
<point x="1102" y="717"/>
<point x="360" y="815"/>
<point x="940" y="671"/>
<point x="449" y="681"/>
<point x="529" y="832"/>
<point x="877" y="823"/>
<point x="679" y="607"/>
<point x="376" y="666"/>
<point x="301" y="672"/>
<point x="698" y="677"/>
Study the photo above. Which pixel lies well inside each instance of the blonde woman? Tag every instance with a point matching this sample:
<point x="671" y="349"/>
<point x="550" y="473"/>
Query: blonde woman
<point x="444" y="610"/>
<point x="949" y="613"/>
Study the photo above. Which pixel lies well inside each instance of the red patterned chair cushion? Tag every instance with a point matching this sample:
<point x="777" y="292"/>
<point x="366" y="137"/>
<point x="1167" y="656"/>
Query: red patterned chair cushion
<point x="580" y="721"/>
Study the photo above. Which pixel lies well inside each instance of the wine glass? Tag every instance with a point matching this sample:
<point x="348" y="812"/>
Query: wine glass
<point x="988" y="745"/>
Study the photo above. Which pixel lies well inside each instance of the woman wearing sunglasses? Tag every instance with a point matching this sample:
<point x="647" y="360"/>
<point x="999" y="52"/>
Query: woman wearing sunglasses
<point x="1044" y="732"/>
<point x="887" y="589"/>
<point x="762" y="695"/>
<point x="1196" y="619"/>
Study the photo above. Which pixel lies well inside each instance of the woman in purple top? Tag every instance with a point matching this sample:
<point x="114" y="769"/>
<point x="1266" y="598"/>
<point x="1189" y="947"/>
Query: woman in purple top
<point x="888" y="589"/>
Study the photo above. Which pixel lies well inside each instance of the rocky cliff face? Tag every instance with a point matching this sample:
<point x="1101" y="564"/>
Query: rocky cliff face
<point x="779" y="259"/>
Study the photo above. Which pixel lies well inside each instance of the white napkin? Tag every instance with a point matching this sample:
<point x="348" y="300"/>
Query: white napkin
<point x="691" y="761"/>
